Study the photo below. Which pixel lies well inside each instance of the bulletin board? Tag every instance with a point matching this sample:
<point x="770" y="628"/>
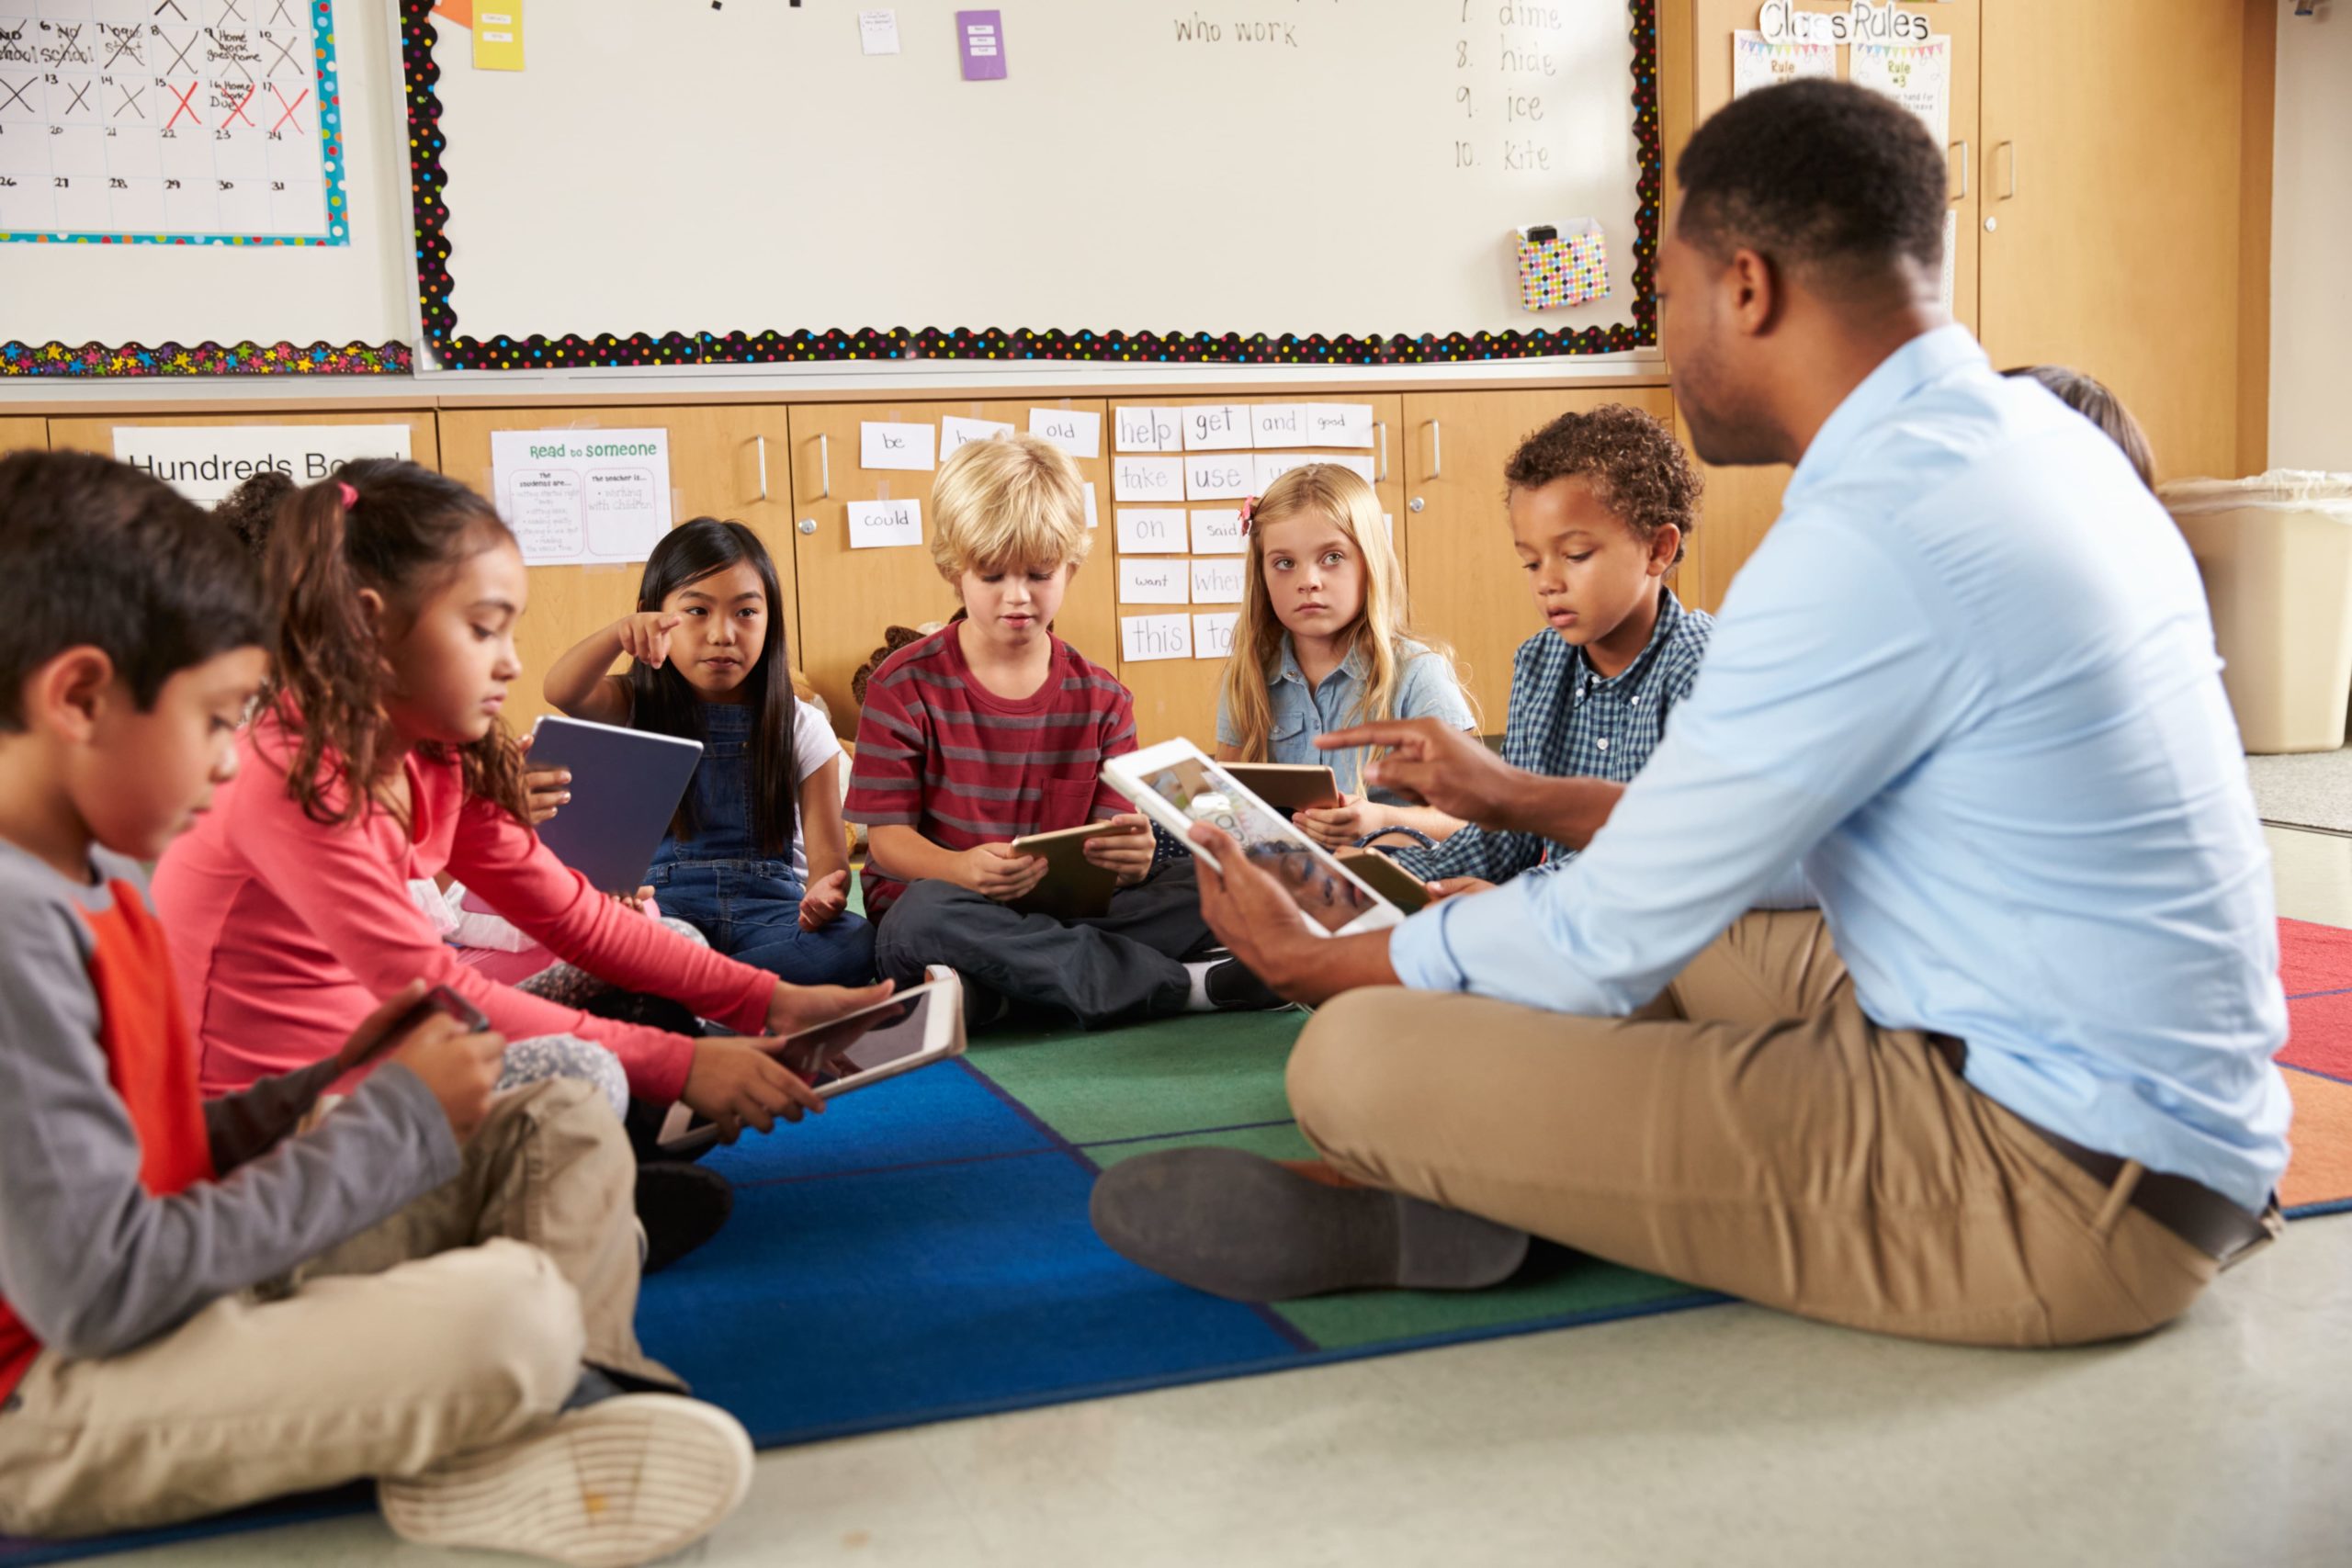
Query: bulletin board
<point x="1312" y="182"/>
<point x="200" y="188"/>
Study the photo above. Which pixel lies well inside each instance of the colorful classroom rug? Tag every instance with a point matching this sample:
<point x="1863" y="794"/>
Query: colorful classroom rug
<point x="922" y="1252"/>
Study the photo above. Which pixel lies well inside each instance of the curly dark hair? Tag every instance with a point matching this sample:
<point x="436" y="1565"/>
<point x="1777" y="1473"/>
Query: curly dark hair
<point x="405" y="528"/>
<point x="1815" y="175"/>
<point x="1633" y="463"/>
<point x="252" y="508"/>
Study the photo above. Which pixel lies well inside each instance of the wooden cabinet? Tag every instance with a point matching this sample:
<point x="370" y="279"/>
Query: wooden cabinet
<point x="1741" y="503"/>
<point x="848" y="598"/>
<point x="1177" y="696"/>
<point x="2109" y="182"/>
<point x="20" y="434"/>
<point x="2112" y="232"/>
<point x="1468" y="587"/>
<point x="726" y="461"/>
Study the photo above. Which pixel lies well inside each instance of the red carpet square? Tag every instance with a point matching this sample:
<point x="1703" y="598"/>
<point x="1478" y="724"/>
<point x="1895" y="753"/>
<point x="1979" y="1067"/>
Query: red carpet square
<point x="2315" y="958"/>
<point x="2319" y="1034"/>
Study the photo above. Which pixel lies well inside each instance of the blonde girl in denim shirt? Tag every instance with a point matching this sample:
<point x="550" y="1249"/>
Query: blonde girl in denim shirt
<point x="1323" y="642"/>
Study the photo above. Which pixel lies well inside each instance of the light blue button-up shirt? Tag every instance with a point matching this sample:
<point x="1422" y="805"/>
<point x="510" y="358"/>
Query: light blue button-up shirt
<point x="1969" y="682"/>
<point x="1426" y="688"/>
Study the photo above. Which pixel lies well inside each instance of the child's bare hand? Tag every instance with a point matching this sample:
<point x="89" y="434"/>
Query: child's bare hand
<point x="993" y="871"/>
<point x="645" y="637"/>
<point x="735" y="1084"/>
<point x="1334" y="827"/>
<point x="635" y="903"/>
<point x="1128" y="854"/>
<point x="825" y="901"/>
<point x="460" y="1068"/>
<point x="1456" y="886"/>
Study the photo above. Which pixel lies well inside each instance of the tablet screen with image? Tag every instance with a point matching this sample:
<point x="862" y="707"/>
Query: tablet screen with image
<point x="1175" y="784"/>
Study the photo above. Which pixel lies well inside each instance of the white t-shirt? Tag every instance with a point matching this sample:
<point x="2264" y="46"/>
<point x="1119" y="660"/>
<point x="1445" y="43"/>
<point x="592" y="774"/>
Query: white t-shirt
<point x="813" y="745"/>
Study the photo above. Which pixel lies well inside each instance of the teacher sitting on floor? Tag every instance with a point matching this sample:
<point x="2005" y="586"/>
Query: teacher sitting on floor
<point x="2011" y="1084"/>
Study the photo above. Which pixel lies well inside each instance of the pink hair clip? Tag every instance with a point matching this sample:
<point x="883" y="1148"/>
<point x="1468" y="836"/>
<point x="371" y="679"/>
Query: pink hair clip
<point x="350" y="496"/>
<point x="1249" y="510"/>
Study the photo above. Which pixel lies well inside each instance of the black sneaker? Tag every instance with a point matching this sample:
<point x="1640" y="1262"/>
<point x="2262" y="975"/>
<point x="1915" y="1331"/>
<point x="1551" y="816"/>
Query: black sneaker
<point x="681" y="1207"/>
<point x="1234" y="988"/>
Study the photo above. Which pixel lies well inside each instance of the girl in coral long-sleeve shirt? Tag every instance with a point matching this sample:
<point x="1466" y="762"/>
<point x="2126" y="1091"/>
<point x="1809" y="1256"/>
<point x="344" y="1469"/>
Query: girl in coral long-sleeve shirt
<point x="288" y="906"/>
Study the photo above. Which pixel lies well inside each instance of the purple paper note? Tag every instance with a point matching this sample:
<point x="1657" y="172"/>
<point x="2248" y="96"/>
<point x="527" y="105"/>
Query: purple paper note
<point x="981" y="34"/>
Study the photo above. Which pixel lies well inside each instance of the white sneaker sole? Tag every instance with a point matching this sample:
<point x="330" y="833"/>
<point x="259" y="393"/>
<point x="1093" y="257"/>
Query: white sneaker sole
<point x="621" y="1482"/>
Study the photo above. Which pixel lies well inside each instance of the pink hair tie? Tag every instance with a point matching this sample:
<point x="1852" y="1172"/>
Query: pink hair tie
<point x="1249" y="510"/>
<point x="350" y="496"/>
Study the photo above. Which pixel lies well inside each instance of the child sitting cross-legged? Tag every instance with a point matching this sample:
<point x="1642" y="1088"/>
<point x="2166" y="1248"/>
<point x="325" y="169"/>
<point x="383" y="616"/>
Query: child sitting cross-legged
<point x="1600" y="504"/>
<point x="992" y="727"/>
<point x="206" y="1305"/>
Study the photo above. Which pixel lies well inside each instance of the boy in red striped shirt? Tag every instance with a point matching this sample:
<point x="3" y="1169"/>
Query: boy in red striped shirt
<point x="992" y="727"/>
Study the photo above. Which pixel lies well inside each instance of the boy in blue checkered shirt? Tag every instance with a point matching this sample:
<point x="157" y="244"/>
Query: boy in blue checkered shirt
<point x="1600" y="504"/>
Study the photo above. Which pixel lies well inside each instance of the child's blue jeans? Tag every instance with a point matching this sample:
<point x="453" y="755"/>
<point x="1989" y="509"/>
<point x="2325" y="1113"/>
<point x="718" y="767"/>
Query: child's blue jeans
<point x="750" y="911"/>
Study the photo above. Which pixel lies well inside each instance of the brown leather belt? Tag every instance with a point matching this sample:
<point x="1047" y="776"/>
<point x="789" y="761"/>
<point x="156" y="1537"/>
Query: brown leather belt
<point x="2190" y="1210"/>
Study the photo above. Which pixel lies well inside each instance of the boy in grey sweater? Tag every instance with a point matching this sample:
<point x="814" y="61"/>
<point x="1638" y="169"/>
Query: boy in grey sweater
<point x="203" y="1306"/>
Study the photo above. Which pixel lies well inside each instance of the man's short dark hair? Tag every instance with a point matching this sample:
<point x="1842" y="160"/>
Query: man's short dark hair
<point x="1815" y="175"/>
<point x="1636" y="467"/>
<point x="94" y="553"/>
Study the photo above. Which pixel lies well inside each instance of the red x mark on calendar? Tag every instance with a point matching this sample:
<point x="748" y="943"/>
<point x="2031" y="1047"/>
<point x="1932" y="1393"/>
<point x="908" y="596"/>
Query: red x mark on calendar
<point x="289" y="108"/>
<point x="186" y="107"/>
<point x="237" y="107"/>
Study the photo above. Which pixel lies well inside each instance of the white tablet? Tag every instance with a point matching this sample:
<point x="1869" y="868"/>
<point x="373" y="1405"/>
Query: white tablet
<point x="626" y="785"/>
<point x="1176" y="785"/>
<point x="910" y="1029"/>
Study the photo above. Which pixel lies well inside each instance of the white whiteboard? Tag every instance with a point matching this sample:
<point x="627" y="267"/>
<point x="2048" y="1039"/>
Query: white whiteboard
<point x="686" y="169"/>
<point x="152" y="294"/>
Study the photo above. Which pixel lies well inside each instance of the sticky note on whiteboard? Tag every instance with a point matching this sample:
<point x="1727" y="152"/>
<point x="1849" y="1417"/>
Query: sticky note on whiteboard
<point x="1153" y="530"/>
<point x="1075" y="431"/>
<point x="1339" y="424"/>
<point x="1219" y="580"/>
<point x="877" y="32"/>
<point x="1213" y="634"/>
<point x="885" y="525"/>
<point x="1145" y="580"/>
<point x="1146" y="637"/>
<point x="1216" y="476"/>
<point x="890" y="445"/>
<point x="1148" y="479"/>
<point x="1150" y="429"/>
<point x="981" y="37"/>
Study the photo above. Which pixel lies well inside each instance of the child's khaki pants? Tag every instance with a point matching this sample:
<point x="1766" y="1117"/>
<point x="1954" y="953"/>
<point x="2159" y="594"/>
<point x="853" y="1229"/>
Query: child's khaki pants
<point x="1750" y="1132"/>
<point x="461" y="1322"/>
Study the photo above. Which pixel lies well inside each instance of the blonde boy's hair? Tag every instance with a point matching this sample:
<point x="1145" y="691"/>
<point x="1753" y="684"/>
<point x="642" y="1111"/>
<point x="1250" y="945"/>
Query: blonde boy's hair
<point x="1015" y="501"/>
<point x="1380" y="627"/>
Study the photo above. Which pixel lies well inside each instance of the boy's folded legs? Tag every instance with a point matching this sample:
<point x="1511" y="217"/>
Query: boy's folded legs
<point x="349" y="1377"/>
<point x="1079" y="969"/>
<point x="549" y="1166"/>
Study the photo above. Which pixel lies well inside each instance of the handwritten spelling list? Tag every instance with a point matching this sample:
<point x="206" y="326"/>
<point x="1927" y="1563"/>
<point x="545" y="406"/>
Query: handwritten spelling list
<point x="1172" y="551"/>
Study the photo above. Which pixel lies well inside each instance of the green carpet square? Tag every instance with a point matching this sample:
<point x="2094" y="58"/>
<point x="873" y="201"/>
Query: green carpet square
<point x="1172" y="1075"/>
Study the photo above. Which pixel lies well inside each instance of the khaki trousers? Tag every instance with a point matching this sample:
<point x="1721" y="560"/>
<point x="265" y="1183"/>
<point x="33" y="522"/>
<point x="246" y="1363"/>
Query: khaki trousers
<point x="1750" y="1132"/>
<point x="461" y="1322"/>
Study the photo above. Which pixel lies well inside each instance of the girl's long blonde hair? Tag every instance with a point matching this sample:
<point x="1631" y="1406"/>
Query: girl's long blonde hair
<point x="1381" y="623"/>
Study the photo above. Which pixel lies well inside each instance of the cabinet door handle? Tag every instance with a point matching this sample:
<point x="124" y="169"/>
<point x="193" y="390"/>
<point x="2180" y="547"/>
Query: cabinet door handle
<point x="1381" y="476"/>
<point x="2010" y="193"/>
<point x="761" y="444"/>
<point x="1437" y="450"/>
<point x="824" y="468"/>
<point x="1963" y="171"/>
